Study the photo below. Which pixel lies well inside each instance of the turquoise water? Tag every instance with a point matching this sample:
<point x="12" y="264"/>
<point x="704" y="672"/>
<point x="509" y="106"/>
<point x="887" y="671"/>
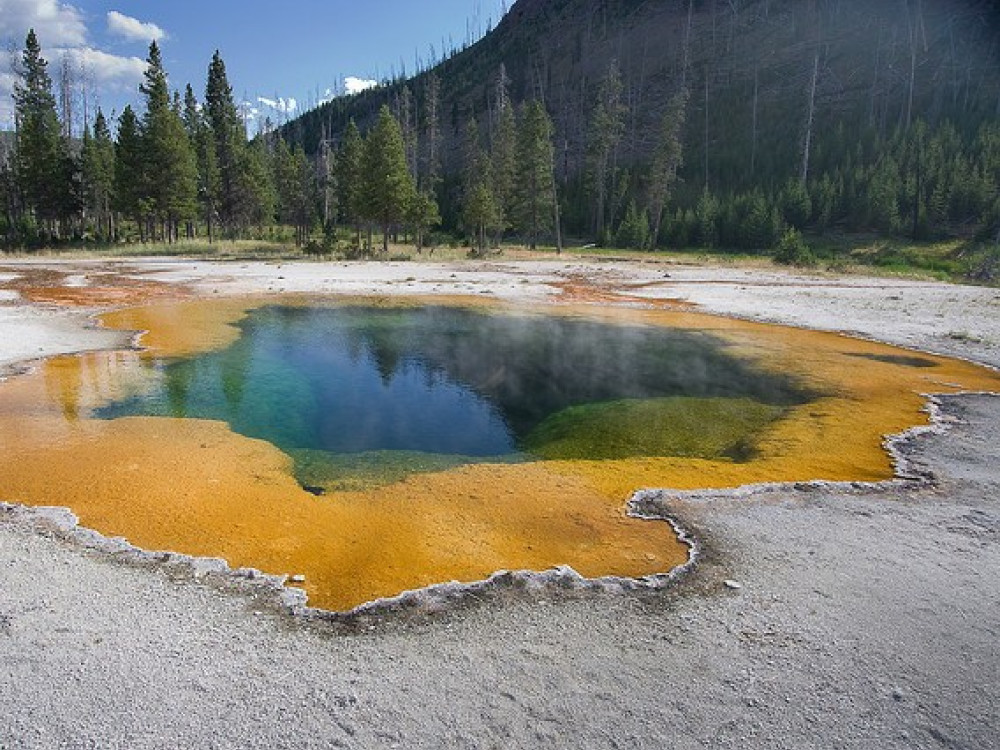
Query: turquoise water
<point x="369" y="391"/>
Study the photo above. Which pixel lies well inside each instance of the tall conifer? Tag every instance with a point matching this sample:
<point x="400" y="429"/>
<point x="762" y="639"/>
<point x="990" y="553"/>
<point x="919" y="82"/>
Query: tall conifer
<point x="234" y="191"/>
<point x="172" y="177"/>
<point x="480" y="212"/>
<point x="535" y="183"/>
<point x="296" y="189"/>
<point x="667" y="159"/>
<point x="41" y="156"/>
<point x="129" y="185"/>
<point x="98" y="176"/>
<point x="607" y="127"/>
<point x="389" y="186"/>
<point x="203" y="142"/>
<point x="350" y="181"/>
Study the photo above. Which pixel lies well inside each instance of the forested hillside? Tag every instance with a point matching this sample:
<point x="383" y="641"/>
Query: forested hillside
<point x="847" y="113"/>
<point x="730" y="124"/>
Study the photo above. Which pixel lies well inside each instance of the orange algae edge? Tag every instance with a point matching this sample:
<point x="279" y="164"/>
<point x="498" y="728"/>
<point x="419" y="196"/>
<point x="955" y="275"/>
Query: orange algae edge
<point x="195" y="487"/>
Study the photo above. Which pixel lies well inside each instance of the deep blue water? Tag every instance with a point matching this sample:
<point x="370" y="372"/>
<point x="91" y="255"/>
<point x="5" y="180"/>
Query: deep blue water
<point x="437" y="380"/>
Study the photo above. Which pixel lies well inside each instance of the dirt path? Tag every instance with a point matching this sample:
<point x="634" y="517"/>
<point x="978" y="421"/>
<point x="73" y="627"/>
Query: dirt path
<point x="864" y="617"/>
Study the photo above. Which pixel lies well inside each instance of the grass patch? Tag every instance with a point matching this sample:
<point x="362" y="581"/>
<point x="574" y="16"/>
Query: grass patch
<point x="220" y="250"/>
<point x="937" y="259"/>
<point x="357" y="472"/>
<point x="956" y="260"/>
<point x="672" y="426"/>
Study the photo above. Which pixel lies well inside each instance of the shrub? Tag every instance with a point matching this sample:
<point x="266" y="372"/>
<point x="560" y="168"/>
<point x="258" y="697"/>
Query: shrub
<point x="792" y="250"/>
<point x="634" y="230"/>
<point x="314" y="248"/>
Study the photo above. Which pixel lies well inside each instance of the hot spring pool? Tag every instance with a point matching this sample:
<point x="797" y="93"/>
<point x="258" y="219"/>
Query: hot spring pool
<point x="376" y="447"/>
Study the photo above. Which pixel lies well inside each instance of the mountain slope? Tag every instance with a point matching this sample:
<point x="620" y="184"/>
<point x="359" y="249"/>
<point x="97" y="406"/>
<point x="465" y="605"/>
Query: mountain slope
<point x="760" y="74"/>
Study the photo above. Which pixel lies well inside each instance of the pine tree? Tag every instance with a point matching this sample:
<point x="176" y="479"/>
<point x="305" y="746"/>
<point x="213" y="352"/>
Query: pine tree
<point x="86" y="161"/>
<point x="669" y="158"/>
<point x="296" y="189"/>
<point x="480" y="212"/>
<point x="350" y="180"/>
<point x="98" y="176"/>
<point x="423" y="214"/>
<point x="41" y="154"/>
<point x="475" y="165"/>
<point x="535" y="179"/>
<point x="191" y="115"/>
<point x="634" y="230"/>
<point x="606" y="130"/>
<point x="129" y="185"/>
<point x="171" y="172"/>
<point x="284" y="183"/>
<point x="504" y="151"/>
<point x="796" y="205"/>
<point x="403" y="107"/>
<point x="203" y="143"/>
<point x="389" y="186"/>
<point x="707" y="214"/>
<point x="258" y="186"/>
<point x="430" y="171"/>
<point x="8" y="198"/>
<point x="234" y="200"/>
<point x="326" y="185"/>
<point x="883" y="197"/>
<point x="987" y="153"/>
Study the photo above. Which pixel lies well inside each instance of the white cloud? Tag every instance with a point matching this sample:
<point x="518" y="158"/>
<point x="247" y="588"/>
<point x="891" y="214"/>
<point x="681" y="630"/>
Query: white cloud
<point x="354" y="85"/>
<point x="105" y="70"/>
<point x="55" y="23"/>
<point x="62" y="33"/>
<point x="133" y="28"/>
<point x="281" y="104"/>
<point x="103" y="73"/>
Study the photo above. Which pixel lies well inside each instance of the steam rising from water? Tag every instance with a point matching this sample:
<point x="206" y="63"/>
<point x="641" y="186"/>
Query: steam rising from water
<point x="438" y="380"/>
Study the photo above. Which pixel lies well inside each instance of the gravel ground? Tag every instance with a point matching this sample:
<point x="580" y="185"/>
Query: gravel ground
<point x="864" y="617"/>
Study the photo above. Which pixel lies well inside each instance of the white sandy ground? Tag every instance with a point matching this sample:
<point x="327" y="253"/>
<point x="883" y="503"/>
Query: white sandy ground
<point x="867" y="618"/>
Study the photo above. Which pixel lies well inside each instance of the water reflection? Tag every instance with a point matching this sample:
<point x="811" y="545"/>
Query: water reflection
<point x="196" y="487"/>
<point x="64" y="382"/>
<point x="436" y="380"/>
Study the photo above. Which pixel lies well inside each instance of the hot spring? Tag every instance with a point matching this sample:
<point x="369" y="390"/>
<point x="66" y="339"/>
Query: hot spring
<point x="377" y="447"/>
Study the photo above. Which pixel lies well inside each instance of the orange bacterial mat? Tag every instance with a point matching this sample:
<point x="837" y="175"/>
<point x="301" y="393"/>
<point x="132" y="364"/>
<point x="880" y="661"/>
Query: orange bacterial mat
<point x="196" y="487"/>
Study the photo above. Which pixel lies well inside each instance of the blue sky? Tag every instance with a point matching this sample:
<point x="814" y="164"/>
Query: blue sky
<point x="281" y="57"/>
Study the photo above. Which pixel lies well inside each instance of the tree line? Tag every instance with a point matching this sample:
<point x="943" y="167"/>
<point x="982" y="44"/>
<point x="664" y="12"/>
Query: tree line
<point x="738" y="130"/>
<point x="724" y="125"/>
<point x="918" y="181"/>
<point x="183" y="168"/>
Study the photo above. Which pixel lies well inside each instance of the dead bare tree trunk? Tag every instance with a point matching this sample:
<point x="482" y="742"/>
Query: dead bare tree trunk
<point x="555" y="211"/>
<point x="706" y="127"/>
<point x="810" y="112"/>
<point x="753" y="134"/>
<point x="685" y="68"/>
<point x="913" y="76"/>
<point x="430" y="175"/>
<point x="916" y="28"/>
<point x="66" y="94"/>
<point x="872" y="108"/>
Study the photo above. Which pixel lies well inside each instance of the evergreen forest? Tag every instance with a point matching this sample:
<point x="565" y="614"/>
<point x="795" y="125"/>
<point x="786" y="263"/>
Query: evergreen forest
<point x="740" y="126"/>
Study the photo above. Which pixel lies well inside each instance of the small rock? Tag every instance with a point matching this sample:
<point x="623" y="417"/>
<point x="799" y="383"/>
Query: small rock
<point x="297" y="578"/>
<point x="731" y="584"/>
